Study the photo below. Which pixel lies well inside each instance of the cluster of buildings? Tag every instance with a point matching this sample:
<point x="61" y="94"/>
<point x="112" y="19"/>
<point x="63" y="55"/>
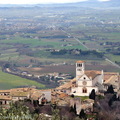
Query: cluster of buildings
<point x="81" y="85"/>
<point x="86" y="81"/>
<point x="13" y="95"/>
<point x="51" y="77"/>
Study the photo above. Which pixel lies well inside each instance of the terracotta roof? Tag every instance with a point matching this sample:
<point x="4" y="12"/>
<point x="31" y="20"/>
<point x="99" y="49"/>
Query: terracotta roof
<point x="59" y="93"/>
<point x="92" y="73"/>
<point x="67" y="85"/>
<point x="25" y="92"/>
<point x="62" y="95"/>
<point x="36" y="95"/>
<point x="4" y="91"/>
<point x="95" y="71"/>
<point x="46" y="90"/>
<point x="19" y="94"/>
<point x="108" y="75"/>
<point x="60" y="98"/>
<point x="80" y="61"/>
<point x="23" y="89"/>
<point x="2" y="97"/>
<point x="111" y="73"/>
<point x="112" y="78"/>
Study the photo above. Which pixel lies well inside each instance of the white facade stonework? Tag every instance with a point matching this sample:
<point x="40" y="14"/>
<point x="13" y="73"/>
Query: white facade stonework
<point x="86" y="80"/>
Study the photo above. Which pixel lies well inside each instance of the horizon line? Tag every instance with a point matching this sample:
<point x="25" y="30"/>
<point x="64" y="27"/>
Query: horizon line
<point x="43" y="3"/>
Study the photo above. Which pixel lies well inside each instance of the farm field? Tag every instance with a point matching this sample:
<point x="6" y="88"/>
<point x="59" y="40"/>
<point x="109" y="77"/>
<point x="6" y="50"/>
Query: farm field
<point x="8" y="81"/>
<point x="92" y="27"/>
<point x="70" y="69"/>
<point x="114" y="57"/>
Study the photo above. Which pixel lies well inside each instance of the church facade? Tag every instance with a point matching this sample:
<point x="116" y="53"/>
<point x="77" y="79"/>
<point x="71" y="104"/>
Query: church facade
<point x="86" y="81"/>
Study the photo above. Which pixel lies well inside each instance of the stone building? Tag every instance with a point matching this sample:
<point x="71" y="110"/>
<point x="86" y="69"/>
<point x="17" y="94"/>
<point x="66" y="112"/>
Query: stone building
<point x="13" y="95"/>
<point x="86" y="80"/>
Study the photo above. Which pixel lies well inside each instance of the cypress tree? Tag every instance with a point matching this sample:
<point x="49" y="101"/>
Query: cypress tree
<point x="110" y="89"/>
<point x="75" y="109"/>
<point x="92" y="94"/>
<point x="110" y="102"/>
<point x="82" y="115"/>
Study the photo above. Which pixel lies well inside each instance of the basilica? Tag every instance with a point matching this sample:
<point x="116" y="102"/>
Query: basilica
<point x="86" y="80"/>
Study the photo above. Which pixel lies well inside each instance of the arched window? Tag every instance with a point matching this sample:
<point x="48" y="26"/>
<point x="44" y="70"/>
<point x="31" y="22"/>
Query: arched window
<point x="0" y="102"/>
<point x="5" y="102"/>
<point x="79" y="65"/>
<point x="84" y="90"/>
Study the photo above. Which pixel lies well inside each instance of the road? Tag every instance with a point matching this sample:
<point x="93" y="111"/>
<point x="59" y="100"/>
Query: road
<point x="114" y="64"/>
<point x="76" y="39"/>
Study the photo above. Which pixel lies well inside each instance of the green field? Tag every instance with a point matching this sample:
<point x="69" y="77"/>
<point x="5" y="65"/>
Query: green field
<point x="52" y="43"/>
<point x="114" y="57"/>
<point x="8" y="81"/>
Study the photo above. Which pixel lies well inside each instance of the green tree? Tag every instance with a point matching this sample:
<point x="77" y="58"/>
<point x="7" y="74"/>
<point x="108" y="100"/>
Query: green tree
<point x="16" y="111"/>
<point x="55" y="115"/>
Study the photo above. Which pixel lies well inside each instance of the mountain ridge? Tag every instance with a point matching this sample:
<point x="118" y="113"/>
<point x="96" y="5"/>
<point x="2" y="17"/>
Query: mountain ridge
<point x="89" y="4"/>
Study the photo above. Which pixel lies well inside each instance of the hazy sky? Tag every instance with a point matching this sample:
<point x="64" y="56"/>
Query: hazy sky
<point x="40" y="1"/>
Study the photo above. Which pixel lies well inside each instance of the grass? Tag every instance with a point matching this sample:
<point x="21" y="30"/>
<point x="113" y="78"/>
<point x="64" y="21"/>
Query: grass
<point x="29" y="41"/>
<point x="54" y="43"/>
<point x="83" y="97"/>
<point x="8" y="81"/>
<point x="113" y="57"/>
<point x="112" y="37"/>
<point x="75" y="47"/>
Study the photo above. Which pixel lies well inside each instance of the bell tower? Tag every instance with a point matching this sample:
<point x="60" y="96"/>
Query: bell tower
<point x="80" y="68"/>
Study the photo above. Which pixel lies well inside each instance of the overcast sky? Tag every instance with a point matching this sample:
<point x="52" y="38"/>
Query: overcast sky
<point x="40" y="1"/>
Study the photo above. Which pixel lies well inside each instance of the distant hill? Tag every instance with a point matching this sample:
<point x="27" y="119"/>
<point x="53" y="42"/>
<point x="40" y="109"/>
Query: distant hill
<point x="89" y="4"/>
<point x="99" y="4"/>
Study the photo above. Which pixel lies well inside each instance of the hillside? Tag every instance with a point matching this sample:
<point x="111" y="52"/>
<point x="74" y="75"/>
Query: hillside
<point x="99" y="4"/>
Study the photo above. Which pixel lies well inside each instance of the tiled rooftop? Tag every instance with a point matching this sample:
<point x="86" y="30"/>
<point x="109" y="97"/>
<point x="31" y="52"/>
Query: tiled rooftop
<point x="19" y="94"/>
<point x="80" y="61"/>
<point x="4" y="91"/>
<point x="92" y="73"/>
<point x="2" y="97"/>
<point x="108" y="77"/>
